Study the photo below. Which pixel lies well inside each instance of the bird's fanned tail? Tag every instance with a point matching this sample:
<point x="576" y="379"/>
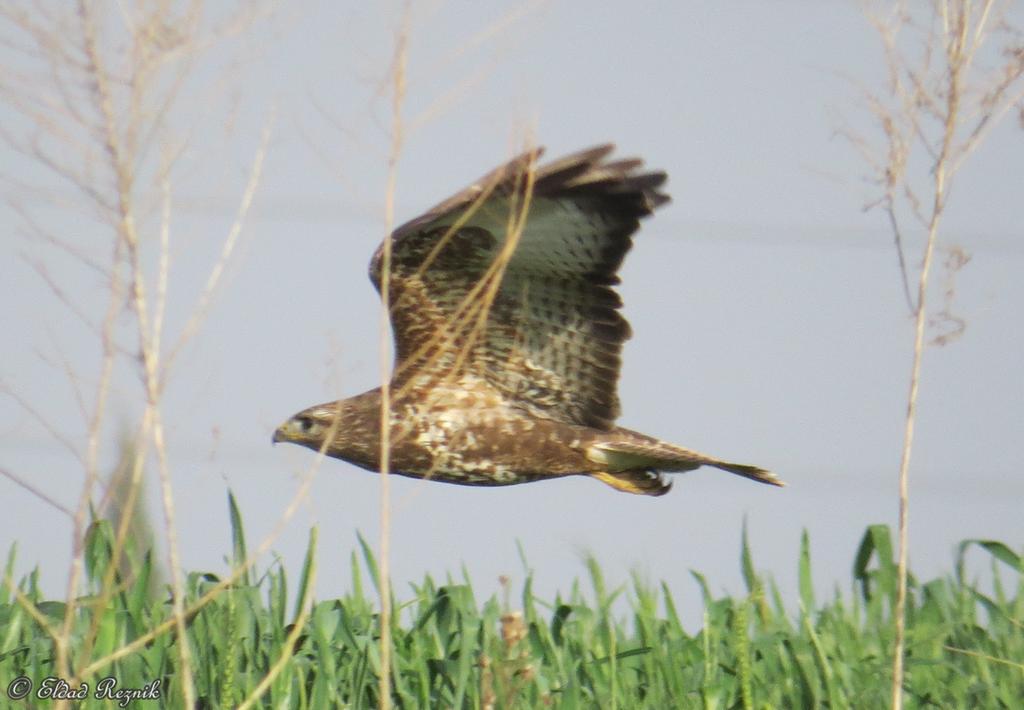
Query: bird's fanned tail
<point x="752" y="472"/>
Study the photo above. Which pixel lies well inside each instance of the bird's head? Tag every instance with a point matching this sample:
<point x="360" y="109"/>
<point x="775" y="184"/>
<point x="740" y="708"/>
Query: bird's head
<point x="348" y="429"/>
<point x="312" y="426"/>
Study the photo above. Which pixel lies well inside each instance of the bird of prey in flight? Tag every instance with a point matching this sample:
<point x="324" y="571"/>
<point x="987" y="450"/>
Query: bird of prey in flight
<point x="508" y="337"/>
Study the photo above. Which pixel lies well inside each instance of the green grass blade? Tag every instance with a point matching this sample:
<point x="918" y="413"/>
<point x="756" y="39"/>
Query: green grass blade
<point x="238" y="549"/>
<point x="308" y="569"/>
<point x="805" y="580"/>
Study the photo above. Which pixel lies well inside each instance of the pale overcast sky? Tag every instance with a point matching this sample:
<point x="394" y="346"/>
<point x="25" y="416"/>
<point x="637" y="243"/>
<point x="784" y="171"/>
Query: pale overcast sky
<point x="770" y="325"/>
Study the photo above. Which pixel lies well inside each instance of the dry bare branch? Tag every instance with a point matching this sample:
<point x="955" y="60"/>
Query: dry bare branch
<point x="21" y="481"/>
<point x="940" y="103"/>
<point x="397" y="77"/>
<point x="96" y="85"/>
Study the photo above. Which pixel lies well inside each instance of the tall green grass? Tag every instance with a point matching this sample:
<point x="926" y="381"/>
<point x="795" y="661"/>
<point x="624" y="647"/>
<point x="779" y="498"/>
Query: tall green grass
<point x="593" y="647"/>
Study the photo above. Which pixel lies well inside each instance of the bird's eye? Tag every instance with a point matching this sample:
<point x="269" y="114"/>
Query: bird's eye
<point x="306" y="424"/>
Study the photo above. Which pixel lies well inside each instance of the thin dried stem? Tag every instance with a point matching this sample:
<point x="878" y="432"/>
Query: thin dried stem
<point x="57" y="435"/>
<point x="897" y="236"/>
<point x="227" y="249"/>
<point x="398" y="87"/>
<point x="958" y="62"/>
<point x="95" y="109"/>
<point x="109" y="353"/>
<point x="19" y="480"/>
<point x="986" y="657"/>
<point x="932" y="109"/>
<point x="120" y="152"/>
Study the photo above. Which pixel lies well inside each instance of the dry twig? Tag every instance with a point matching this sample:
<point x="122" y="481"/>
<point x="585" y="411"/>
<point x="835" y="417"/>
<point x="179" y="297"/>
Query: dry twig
<point x="939" y="104"/>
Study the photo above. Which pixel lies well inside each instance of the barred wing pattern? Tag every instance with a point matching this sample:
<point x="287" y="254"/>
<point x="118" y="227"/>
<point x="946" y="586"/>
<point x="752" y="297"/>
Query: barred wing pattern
<point x="511" y="280"/>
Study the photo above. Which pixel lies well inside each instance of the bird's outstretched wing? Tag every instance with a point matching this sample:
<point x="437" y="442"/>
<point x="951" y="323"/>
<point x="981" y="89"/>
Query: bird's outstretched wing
<point x="511" y="280"/>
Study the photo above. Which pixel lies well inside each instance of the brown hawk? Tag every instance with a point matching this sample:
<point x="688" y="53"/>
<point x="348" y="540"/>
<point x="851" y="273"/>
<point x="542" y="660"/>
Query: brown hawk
<point x="508" y="336"/>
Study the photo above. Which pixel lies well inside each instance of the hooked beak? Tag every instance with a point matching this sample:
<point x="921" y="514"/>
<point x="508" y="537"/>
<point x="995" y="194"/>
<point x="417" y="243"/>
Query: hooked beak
<point x="279" y="435"/>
